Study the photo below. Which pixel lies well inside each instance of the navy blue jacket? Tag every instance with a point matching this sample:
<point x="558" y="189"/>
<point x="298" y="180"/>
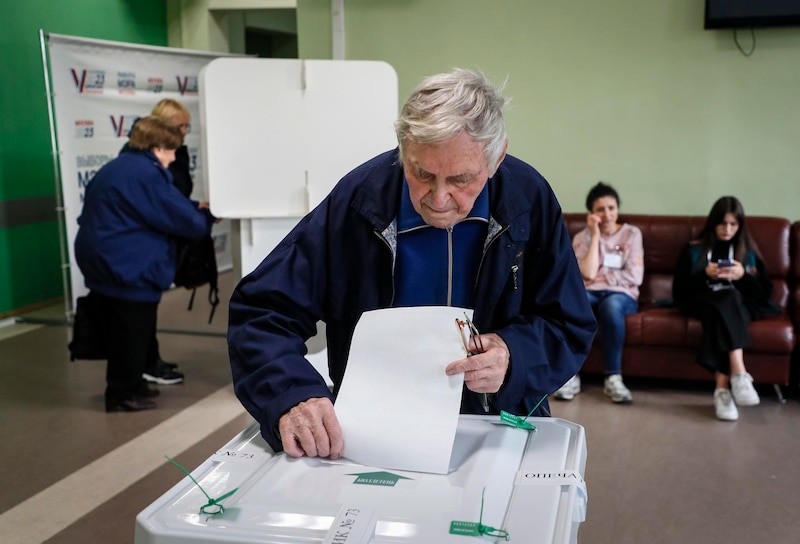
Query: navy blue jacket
<point x="338" y="262"/>
<point x="131" y="215"/>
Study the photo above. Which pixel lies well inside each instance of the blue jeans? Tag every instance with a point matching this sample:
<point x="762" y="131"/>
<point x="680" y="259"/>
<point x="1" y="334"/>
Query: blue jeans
<point x="611" y="307"/>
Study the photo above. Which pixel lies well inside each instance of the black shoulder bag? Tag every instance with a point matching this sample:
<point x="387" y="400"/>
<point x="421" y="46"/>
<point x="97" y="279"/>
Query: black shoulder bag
<point x="196" y="265"/>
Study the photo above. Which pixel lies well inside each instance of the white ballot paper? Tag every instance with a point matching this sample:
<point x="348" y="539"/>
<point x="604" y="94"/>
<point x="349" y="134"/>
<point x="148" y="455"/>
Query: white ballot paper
<point x="397" y="407"/>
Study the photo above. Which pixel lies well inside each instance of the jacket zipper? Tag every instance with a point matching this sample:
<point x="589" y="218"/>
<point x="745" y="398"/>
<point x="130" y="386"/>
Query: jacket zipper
<point x="449" y="266"/>
<point x="392" y="253"/>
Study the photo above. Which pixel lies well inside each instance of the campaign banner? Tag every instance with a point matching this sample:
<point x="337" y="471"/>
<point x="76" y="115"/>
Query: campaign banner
<point x="98" y="89"/>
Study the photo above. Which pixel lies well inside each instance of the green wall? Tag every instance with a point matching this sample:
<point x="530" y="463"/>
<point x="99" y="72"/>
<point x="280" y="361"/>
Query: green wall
<point x="632" y="92"/>
<point x="314" y="29"/>
<point x="30" y="259"/>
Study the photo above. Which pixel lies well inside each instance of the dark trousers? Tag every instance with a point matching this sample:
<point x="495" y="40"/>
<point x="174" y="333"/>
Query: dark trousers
<point x="129" y="328"/>
<point x="153" y="354"/>
<point x="725" y="319"/>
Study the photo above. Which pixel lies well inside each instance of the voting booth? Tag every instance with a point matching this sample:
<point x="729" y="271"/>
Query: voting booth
<point x="528" y="483"/>
<point x="280" y="133"/>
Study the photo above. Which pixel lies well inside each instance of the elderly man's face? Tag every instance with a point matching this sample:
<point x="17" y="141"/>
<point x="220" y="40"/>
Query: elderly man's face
<point x="445" y="180"/>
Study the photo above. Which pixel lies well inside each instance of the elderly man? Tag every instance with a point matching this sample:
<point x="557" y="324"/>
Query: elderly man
<point x="445" y="219"/>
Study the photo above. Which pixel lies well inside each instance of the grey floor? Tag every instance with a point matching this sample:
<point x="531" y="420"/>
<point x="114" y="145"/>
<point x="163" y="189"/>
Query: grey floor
<point x="663" y="470"/>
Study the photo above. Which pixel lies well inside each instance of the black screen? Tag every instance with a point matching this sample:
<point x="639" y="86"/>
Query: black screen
<point x="751" y="13"/>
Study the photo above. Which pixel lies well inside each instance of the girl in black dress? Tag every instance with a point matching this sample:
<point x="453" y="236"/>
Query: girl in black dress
<point x="721" y="280"/>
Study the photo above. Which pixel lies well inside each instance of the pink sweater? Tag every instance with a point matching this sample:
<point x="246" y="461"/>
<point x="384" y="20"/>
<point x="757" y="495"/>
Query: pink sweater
<point x="627" y="241"/>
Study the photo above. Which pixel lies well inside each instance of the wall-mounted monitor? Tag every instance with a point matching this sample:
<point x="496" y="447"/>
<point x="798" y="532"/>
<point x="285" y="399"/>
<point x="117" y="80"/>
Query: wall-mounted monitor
<point x="751" y="13"/>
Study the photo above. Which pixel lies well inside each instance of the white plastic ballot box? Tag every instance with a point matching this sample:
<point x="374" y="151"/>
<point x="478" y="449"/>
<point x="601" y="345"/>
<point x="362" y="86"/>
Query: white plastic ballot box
<point x="528" y="483"/>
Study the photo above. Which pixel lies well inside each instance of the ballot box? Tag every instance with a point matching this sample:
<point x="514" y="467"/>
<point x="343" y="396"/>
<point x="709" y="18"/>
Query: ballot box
<point x="528" y="483"/>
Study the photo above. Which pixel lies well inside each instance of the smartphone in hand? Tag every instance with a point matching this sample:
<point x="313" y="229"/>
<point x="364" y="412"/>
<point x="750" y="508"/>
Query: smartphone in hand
<point x="723" y="263"/>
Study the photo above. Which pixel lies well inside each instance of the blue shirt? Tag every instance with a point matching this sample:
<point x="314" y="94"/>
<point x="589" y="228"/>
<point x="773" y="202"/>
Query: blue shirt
<point x="438" y="267"/>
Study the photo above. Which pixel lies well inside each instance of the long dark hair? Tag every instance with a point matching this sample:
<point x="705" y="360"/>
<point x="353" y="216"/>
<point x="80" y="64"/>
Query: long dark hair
<point x="742" y="241"/>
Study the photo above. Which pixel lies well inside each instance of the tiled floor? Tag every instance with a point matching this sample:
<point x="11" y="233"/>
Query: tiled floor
<point x="661" y="471"/>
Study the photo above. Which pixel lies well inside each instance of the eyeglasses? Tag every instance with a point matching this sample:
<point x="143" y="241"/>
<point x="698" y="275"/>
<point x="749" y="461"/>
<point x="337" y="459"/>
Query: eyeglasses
<point x="469" y="334"/>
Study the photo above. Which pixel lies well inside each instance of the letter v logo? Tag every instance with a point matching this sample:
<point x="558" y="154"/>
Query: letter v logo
<point x="183" y="82"/>
<point x="117" y="124"/>
<point x="80" y="82"/>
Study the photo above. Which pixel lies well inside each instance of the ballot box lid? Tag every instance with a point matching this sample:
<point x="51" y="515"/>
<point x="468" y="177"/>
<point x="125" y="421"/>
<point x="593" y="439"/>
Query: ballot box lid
<point x="528" y="483"/>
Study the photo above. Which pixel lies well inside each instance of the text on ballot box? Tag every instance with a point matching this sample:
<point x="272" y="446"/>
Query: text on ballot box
<point x="526" y="483"/>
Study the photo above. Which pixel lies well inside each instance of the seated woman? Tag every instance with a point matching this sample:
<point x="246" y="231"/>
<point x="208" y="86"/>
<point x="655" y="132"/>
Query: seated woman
<point x="611" y="259"/>
<point x="721" y="280"/>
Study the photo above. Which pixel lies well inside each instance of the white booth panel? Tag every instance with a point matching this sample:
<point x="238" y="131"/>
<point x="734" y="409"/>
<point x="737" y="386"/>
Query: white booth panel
<point x="280" y="133"/>
<point x="253" y="137"/>
<point x="351" y="109"/>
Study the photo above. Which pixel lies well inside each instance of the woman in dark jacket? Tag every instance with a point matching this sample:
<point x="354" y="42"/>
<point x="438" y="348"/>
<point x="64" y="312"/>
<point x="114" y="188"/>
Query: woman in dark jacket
<point x="125" y="248"/>
<point x="721" y="280"/>
<point x="174" y="113"/>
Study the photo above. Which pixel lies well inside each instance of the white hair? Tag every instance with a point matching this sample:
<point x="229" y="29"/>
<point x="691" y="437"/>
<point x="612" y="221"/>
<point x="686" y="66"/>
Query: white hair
<point x="448" y="104"/>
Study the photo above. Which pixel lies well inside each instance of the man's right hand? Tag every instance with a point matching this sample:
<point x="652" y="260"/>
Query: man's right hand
<point x="311" y="428"/>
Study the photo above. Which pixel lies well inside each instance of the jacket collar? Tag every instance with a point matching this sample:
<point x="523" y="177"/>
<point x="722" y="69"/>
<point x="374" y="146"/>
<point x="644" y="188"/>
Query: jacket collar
<point x="378" y="199"/>
<point x="408" y="218"/>
<point x="507" y="200"/>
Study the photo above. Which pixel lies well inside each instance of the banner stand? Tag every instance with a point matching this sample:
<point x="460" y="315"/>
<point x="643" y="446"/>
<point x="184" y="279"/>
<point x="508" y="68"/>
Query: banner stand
<point x="62" y="235"/>
<point x="96" y="89"/>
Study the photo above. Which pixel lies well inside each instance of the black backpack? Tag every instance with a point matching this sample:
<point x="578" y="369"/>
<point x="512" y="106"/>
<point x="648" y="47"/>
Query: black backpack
<point x="196" y="265"/>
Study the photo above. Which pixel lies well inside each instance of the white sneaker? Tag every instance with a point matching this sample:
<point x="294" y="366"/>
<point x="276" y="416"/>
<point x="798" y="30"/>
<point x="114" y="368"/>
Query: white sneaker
<point x="724" y="406"/>
<point x="743" y="391"/>
<point x="569" y="389"/>
<point x="614" y="388"/>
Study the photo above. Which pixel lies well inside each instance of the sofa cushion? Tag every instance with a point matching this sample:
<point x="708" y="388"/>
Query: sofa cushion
<point x="666" y="327"/>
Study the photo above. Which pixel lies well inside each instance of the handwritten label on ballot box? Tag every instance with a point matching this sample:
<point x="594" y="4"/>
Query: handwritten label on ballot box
<point x="238" y="456"/>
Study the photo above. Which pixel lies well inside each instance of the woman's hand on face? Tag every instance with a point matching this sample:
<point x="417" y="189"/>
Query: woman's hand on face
<point x="593" y="222"/>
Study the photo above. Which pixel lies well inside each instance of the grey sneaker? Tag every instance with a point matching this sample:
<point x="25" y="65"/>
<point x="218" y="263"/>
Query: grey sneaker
<point x="724" y="405"/>
<point x="614" y="388"/>
<point x="569" y="389"/>
<point x="743" y="391"/>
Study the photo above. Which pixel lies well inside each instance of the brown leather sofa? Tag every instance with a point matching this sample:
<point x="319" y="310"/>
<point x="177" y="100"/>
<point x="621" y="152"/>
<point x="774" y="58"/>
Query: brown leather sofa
<point x="661" y="343"/>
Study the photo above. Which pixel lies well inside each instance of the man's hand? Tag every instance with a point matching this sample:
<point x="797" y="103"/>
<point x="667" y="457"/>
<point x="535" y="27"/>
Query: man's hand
<point x="311" y="429"/>
<point x="484" y="372"/>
